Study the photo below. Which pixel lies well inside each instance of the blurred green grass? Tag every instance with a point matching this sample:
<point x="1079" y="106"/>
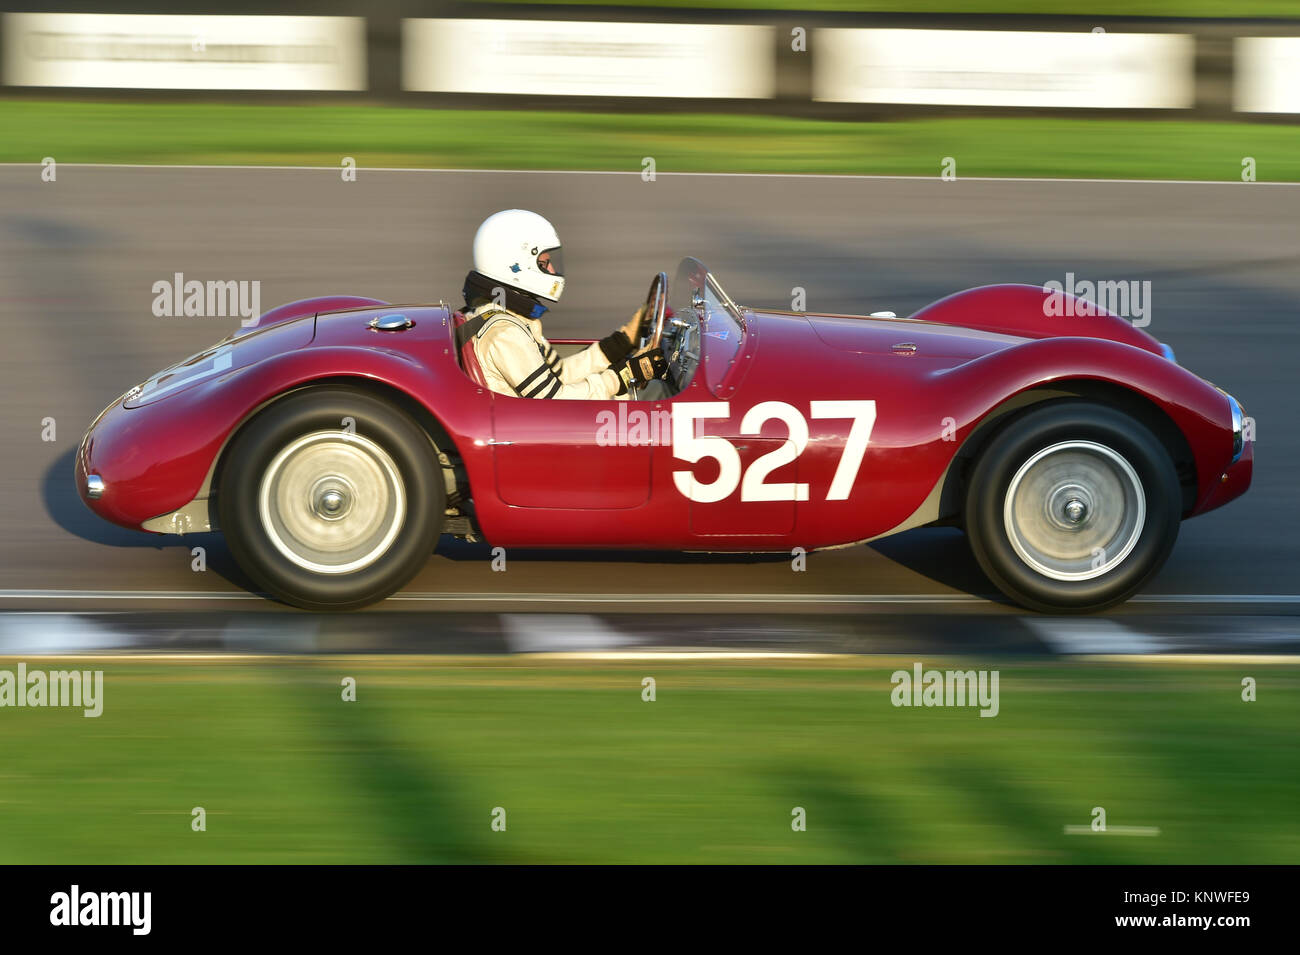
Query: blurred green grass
<point x="321" y="135"/>
<point x="1130" y="8"/>
<point x="708" y="772"/>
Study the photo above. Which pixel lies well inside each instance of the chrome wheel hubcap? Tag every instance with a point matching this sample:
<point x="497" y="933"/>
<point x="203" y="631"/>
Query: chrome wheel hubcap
<point x="1074" y="510"/>
<point x="332" y="498"/>
<point x="332" y="502"/>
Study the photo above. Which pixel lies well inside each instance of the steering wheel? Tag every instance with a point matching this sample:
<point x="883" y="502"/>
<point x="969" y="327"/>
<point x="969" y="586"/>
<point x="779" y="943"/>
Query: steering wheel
<point x="656" y="302"/>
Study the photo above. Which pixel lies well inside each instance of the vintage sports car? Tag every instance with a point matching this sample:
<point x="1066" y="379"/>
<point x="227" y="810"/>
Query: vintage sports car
<point x="335" y="441"/>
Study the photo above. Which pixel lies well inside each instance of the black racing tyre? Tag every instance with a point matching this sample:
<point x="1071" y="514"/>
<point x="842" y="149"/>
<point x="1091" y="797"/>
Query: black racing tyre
<point x="1072" y="507"/>
<point x="328" y="513"/>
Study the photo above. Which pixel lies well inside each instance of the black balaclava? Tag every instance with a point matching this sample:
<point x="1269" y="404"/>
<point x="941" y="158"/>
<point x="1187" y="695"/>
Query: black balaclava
<point x="479" y="291"/>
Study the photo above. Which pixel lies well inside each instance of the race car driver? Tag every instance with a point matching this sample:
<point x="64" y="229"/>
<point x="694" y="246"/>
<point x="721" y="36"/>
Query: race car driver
<point x="518" y="262"/>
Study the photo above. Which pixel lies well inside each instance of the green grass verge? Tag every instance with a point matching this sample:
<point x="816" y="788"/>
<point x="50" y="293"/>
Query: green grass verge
<point x="394" y="136"/>
<point x="708" y="772"/>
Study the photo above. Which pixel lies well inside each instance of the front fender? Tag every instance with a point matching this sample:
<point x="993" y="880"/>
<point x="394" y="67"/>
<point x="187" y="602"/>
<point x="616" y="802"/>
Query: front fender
<point x="1198" y="409"/>
<point x="1030" y="311"/>
<point x="159" y="458"/>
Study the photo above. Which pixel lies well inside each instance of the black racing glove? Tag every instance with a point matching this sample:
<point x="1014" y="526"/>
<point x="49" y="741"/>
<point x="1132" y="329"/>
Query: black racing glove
<point x="634" y="372"/>
<point x="616" y="346"/>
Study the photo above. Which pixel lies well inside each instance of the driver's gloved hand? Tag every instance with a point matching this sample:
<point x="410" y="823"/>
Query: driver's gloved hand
<point x="634" y="372"/>
<point x="616" y="346"/>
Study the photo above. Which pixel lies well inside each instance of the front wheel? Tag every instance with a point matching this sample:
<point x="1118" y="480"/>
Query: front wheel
<point x="1072" y="507"/>
<point x="331" y="499"/>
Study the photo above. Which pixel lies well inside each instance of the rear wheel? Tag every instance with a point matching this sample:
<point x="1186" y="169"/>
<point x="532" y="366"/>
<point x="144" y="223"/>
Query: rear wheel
<point x="331" y="499"/>
<point x="1072" y="507"/>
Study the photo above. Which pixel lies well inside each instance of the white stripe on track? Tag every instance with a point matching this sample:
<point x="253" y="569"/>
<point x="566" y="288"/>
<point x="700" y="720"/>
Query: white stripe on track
<point x="560" y="633"/>
<point x="415" y="597"/>
<point x="1080" y="635"/>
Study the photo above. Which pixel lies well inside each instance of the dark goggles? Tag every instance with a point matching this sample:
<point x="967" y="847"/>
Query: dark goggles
<point x="551" y="261"/>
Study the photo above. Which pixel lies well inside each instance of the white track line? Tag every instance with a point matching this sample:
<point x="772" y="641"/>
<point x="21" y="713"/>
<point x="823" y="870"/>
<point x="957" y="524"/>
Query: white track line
<point x="126" y="595"/>
<point x="637" y="173"/>
<point x="126" y="655"/>
<point x="694" y="598"/>
<point x="1222" y="659"/>
<point x="902" y="599"/>
<point x="1215" y="598"/>
<point x="658" y="656"/>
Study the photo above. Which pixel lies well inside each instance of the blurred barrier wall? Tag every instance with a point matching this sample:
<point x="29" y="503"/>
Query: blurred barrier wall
<point x="1005" y="68"/>
<point x="580" y="57"/>
<point x="576" y="58"/>
<point x="1268" y="74"/>
<point x="184" y="52"/>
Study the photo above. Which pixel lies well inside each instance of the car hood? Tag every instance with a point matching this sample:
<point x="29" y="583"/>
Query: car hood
<point x="883" y="336"/>
<point x="227" y="356"/>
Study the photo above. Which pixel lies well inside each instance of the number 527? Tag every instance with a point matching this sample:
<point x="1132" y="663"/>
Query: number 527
<point x="688" y="447"/>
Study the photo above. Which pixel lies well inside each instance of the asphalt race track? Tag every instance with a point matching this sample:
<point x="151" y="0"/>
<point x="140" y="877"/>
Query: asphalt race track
<point x="79" y="256"/>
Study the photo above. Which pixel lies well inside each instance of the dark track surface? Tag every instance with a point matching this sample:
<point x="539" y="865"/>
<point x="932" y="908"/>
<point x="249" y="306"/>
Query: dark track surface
<point x="78" y="258"/>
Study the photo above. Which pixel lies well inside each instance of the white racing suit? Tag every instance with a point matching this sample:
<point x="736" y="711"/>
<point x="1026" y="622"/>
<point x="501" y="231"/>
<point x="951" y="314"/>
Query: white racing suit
<point x="517" y="360"/>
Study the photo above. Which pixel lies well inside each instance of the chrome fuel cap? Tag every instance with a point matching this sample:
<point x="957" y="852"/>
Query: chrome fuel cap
<point x="391" y="323"/>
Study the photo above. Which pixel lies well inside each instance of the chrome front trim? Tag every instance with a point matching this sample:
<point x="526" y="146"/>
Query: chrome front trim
<point x="1238" y="420"/>
<point x="94" y="487"/>
<point x="193" y="518"/>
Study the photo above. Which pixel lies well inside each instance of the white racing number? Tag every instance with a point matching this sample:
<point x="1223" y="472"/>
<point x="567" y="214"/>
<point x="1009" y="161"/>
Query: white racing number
<point x="752" y="487"/>
<point x="692" y="448"/>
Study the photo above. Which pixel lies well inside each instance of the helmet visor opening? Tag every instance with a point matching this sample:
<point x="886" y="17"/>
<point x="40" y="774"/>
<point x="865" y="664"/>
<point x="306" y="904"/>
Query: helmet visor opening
<point x="551" y="261"/>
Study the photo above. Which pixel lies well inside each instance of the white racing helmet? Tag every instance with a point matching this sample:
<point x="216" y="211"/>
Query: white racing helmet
<point x="521" y="249"/>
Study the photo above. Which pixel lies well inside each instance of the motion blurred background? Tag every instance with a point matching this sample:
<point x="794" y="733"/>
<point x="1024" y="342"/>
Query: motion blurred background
<point x="912" y="150"/>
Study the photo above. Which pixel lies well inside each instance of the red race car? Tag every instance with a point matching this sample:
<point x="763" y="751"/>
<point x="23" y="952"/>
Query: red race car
<point x="337" y="439"/>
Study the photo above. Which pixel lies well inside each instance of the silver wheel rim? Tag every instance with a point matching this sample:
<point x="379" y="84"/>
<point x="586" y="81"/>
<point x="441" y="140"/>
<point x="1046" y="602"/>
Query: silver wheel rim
<point x="332" y="502"/>
<point x="1074" y="511"/>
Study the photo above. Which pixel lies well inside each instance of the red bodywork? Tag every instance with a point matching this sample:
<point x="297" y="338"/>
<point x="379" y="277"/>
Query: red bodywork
<point x="540" y="474"/>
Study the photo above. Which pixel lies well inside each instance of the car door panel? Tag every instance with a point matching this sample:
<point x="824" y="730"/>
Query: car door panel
<point x="556" y="454"/>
